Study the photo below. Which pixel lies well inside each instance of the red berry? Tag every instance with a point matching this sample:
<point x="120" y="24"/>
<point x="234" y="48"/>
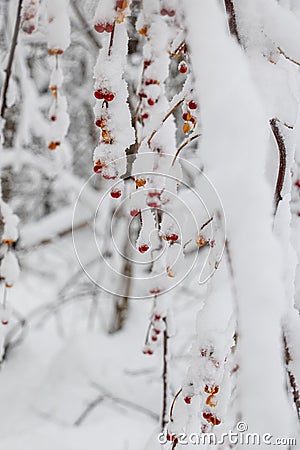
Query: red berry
<point x="143" y="248"/>
<point x="172" y="237"/>
<point x="298" y="214"/>
<point x="53" y="118"/>
<point x="142" y="95"/>
<point x="216" y="389"/>
<point x="98" y="123"/>
<point x="187" y="400"/>
<point x="297" y="183"/>
<point x="145" y="116"/>
<point x="99" y="27"/>
<point x="119" y="4"/>
<point x="106" y="176"/>
<point x="109" y="27"/>
<point x="163" y="12"/>
<point x="153" y="204"/>
<point x="99" y="94"/>
<point x="182" y="67"/>
<point x="4" y="322"/>
<point x="157" y="317"/>
<point x="185" y="116"/>
<point x="171" y="13"/>
<point x="97" y="169"/>
<point x="156" y="330"/>
<point x="147" y="63"/>
<point x="192" y="105"/>
<point x="207" y="415"/>
<point x="155" y="291"/>
<point x="134" y="212"/>
<point x="116" y="193"/>
<point x="109" y="97"/>
<point x="151" y="102"/>
<point x="154" y="338"/>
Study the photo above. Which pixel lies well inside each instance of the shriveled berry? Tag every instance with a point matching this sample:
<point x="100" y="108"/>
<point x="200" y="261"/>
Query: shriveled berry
<point x="187" y="400"/>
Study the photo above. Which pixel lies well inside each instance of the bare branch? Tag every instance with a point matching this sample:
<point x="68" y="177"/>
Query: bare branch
<point x="8" y="69"/>
<point x="232" y="19"/>
<point x="282" y="163"/>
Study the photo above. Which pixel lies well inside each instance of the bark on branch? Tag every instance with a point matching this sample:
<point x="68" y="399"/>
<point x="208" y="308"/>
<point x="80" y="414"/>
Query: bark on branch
<point x="232" y="19"/>
<point x="282" y="162"/>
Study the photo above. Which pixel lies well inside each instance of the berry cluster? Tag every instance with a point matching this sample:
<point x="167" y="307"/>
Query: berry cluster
<point x="117" y="16"/>
<point x="29" y="16"/>
<point x="190" y="121"/>
<point x="156" y="327"/>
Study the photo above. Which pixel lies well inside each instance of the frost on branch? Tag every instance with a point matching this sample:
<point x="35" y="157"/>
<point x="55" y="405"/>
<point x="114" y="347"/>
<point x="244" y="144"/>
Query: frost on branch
<point x="29" y="16"/>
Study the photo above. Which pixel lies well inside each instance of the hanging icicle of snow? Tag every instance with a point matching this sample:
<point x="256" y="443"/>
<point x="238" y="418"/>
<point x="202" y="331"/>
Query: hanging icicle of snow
<point x="112" y="114"/>
<point x="58" y="40"/>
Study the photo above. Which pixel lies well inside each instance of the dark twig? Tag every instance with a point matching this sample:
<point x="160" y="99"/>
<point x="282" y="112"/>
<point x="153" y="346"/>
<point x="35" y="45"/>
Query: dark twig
<point x="184" y="144"/>
<point x="164" y="419"/>
<point x="282" y="163"/>
<point x="288" y="57"/>
<point x="232" y="19"/>
<point x="207" y="223"/>
<point x="164" y="119"/>
<point x="90" y="407"/>
<point x="8" y="69"/>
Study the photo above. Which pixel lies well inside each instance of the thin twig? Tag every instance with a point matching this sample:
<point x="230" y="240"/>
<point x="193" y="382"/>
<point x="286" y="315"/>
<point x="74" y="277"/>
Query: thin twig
<point x="207" y="222"/>
<point x="124" y="402"/>
<point x="173" y="404"/>
<point x="288" y="57"/>
<point x="232" y="19"/>
<point x="8" y="69"/>
<point x="164" y="420"/>
<point x="85" y="24"/>
<point x="164" y="119"/>
<point x="282" y="163"/>
<point x="290" y="127"/>
<point x="90" y="407"/>
<point x="112" y="35"/>
<point x="184" y="144"/>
